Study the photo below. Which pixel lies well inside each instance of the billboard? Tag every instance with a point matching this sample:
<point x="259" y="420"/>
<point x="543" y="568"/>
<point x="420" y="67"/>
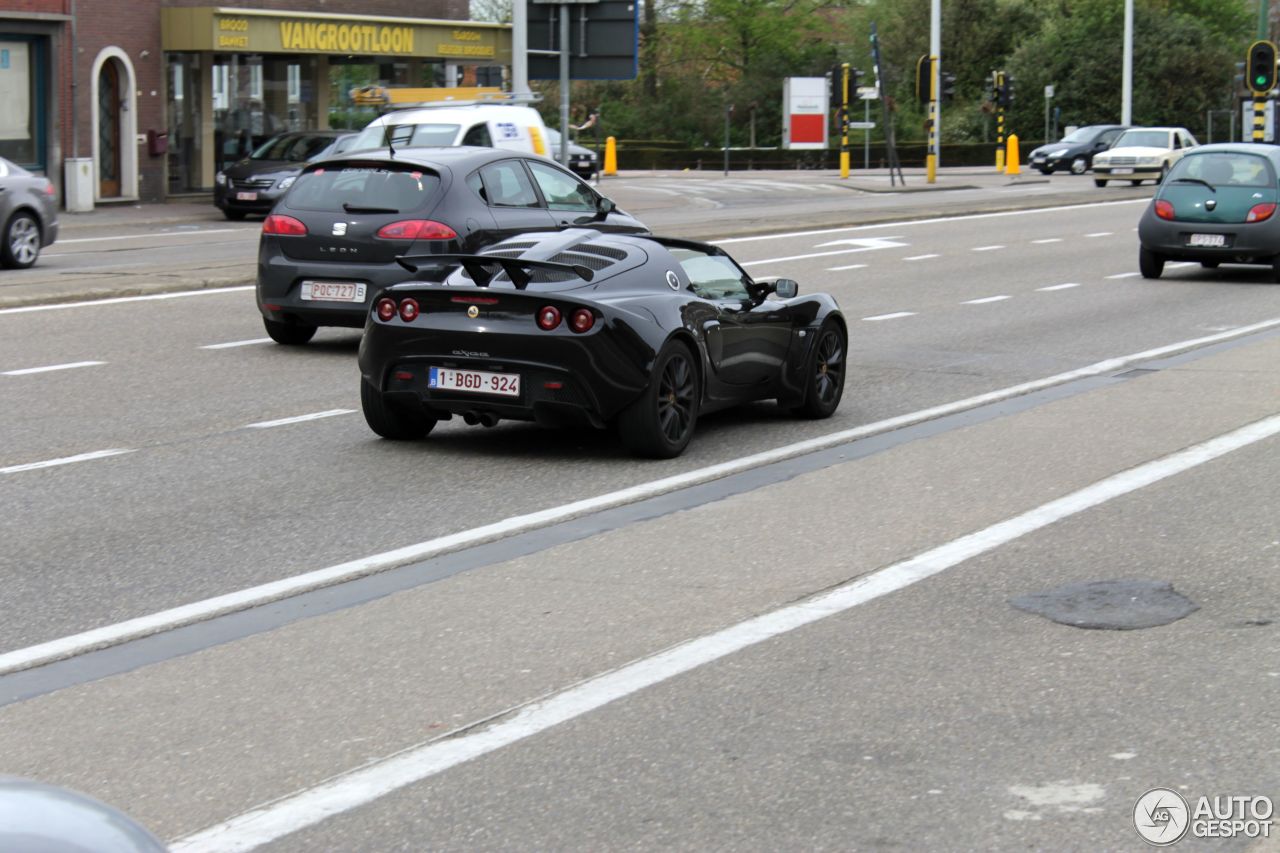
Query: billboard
<point x="804" y="112"/>
<point x="604" y="40"/>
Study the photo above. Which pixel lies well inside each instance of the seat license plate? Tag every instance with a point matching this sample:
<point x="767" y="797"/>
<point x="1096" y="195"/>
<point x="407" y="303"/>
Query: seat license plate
<point x="246" y="196"/>
<point x="1122" y="171"/>
<point x="332" y="291"/>
<point x="475" y="381"/>
<point x="1207" y="240"/>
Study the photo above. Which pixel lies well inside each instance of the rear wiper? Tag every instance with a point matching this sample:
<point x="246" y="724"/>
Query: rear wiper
<point x="355" y="208"/>
<point x="1194" y="181"/>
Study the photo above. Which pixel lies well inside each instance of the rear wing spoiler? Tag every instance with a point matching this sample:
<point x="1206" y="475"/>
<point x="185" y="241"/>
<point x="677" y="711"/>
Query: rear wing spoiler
<point x="479" y="267"/>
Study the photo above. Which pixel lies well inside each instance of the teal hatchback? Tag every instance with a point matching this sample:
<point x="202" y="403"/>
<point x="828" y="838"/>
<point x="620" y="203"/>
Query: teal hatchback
<point x="1217" y="206"/>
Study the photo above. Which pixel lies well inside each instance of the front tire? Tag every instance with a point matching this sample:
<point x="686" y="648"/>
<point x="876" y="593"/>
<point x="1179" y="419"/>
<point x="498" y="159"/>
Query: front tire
<point x="390" y="420"/>
<point x="1149" y="263"/>
<point x="21" y="244"/>
<point x="1099" y="182"/>
<point x="289" y="334"/>
<point x="824" y="373"/>
<point x="1079" y="166"/>
<point x="660" y="422"/>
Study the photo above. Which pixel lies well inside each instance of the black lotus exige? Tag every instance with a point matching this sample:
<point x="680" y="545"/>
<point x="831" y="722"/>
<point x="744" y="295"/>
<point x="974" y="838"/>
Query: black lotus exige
<point x="582" y="327"/>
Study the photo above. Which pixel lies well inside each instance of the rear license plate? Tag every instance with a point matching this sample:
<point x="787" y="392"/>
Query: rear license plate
<point x="332" y="291"/>
<point x="246" y="196"/>
<point x="1122" y="171"/>
<point x="1207" y="240"/>
<point x="475" y="381"/>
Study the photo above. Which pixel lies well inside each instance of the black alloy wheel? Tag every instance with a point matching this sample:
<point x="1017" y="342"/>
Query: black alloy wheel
<point x="824" y="385"/>
<point x="660" y="422"/>
<point x="390" y="420"/>
<point x="1149" y="263"/>
<point x="289" y="334"/>
<point x="21" y="244"/>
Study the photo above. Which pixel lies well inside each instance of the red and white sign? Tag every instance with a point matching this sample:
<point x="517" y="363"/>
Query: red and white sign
<point x="804" y="112"/>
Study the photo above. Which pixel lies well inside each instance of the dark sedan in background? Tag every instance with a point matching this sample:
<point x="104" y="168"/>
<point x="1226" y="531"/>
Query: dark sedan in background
<point x="1074" y="152"/>
<point x="331" y="244"/>
<point x="1217" y="206"/>
<point x="29" y="213"/>
<point x="582" y="160"/>
<point x="256" y="183"/>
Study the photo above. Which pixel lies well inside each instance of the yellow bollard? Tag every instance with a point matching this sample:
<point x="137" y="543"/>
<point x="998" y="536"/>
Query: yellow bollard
<point x="1011" y="161"/>
<point x="610" y="156"/>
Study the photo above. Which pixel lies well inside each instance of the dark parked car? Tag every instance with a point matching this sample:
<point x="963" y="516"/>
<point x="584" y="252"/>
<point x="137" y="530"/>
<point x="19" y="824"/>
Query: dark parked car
<point x="256" y="183"/>
<point x="331" y="244"/>
<point x="1074" y="152"/>
<point x="580" y="327"/>
<point x="582" y="161"/>
<point x="1217" y="206"/>
<point x="29" y="213"/>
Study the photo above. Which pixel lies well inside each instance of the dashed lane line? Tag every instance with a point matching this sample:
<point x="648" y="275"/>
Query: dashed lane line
<point x="66" y="460"/>
<point x="1066" y="286"/>
<point x="986" y="248"/>
<point x="850" y="267"/>
<point x="894" y="316"/>
<point x="27" y="371"/>
<point x="1047" y="240"/>
<point x="231" y="344"/>
<point x="921" y="257"/>
<point x="1125" y="275"/>
<point x="314" y="416"/>
<point x="1100" y="234"/>
<point x="984" y="300"/>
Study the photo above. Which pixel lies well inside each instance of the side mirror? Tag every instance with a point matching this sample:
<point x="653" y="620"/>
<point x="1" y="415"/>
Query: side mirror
<point x="785" y="288"/>
<point x="606" y="206"/>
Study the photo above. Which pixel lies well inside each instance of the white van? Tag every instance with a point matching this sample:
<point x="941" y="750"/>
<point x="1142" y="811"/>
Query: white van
<point x="516" y="128"/>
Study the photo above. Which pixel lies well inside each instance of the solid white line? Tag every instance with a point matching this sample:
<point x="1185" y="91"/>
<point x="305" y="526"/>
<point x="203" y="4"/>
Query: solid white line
<point x="142" y="626"/>
<point x="985" y="248"/>
<point x="984" y="300"/>
<point x="69" y="366"/>
<point x="1099" y="234"/>
<point x="66" y="460"/>
<point x="314" y="416"/>
<point x="921" y="257"/>
<point x="1125" y="275"/>
<point x="1182" y="264"/>
<point x="153" y="234"/>
<point x="1048" y="240"/>
<point x="1058" y="286"/>
<point x="120" y="300"/>
<point x="813" y="255"/>
<point x="237" y="344"/>
<point x="850" y="267"/>
<point x="892" y="316"/>
<point x="372" y="782"/>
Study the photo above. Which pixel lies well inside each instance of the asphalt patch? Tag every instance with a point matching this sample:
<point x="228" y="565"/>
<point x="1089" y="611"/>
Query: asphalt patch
<point x="1118" y="605"/>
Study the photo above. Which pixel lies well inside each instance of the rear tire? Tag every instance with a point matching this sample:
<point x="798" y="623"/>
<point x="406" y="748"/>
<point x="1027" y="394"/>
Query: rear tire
<point x="660" y="422"/>
<point x="21" y="244"/>
<point x="1209" y="265"/>
<point x="1275" y="268"/>
<point x="1164" y="170"/>
<point x="1099" y="182"/>
<point x="390" y="420"/>
<point x="289" y="334"/>
<point x="824" y="373"/>
<point x="233" y="215"/>
<point x="1149" y="263"/>
<point x="1137" y="183"/>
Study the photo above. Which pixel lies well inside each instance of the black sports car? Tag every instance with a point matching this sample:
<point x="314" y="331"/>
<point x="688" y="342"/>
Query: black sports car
<point x="580" y="327"/>
<point x="331" y="244"/>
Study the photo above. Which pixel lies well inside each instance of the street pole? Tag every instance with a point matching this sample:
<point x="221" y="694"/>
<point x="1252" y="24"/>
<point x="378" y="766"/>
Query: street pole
<point x="728" y="111"/>
<point x="1126" y="74"/>
<point x="564" y="84"/>
<point x="844" y="119"/>
<point x="519" y="47"/>
<point x="935" y="57"/>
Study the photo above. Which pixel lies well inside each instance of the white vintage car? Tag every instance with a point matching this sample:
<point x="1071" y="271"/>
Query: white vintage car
<point x="1142" y="154"/>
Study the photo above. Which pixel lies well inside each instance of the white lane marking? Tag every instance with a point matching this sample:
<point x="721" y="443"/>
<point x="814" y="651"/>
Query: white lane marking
<point x="132" y="629"/>
<point x="314" y="416"/>
<point x="374" y="781"/>
<point x="26" y="371"/>
<point x="1047" y="240"/>
<point x="1058" y="286"/>
<point x="1125" y="275"/>
<point x="1182" y="264"/>
<point x="1099" y="234"/>
<point x="850" y="267"/>
<point x="866" y="244"/>
<point x="984" y="300"/>
<point x="120" y="300"/>
<point x="934" y="220"/>
<point x="921" y="257"/>
<point x="985" y="248"/>
<point x="66" y="460"/>
<point x="153" y="234"/>
<point x="894" y="316"/>
<point x="231" y="344"/>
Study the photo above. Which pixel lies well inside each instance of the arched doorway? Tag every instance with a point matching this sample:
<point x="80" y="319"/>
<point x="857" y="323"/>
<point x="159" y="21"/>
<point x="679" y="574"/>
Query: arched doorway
<point x="109" y="107"/>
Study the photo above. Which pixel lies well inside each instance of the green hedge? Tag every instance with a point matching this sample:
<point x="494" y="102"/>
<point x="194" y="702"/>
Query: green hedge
<point x="640" y="156"/>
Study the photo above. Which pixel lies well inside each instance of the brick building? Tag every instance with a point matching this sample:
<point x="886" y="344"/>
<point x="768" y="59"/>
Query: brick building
<point x="141" y="100"/>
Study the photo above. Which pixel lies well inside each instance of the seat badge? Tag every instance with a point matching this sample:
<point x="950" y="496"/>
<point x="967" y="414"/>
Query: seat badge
<point x="473" y="312"/>
<point x="339" y="229"/>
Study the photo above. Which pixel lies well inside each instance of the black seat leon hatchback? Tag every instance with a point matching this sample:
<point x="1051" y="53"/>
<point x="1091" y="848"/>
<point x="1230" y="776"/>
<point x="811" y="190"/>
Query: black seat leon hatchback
<point x="330" y="245"/>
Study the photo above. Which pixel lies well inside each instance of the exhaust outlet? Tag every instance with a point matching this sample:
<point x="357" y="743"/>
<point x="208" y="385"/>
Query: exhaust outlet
<point x="471" y="418"/>
<point x="489" y="419"/>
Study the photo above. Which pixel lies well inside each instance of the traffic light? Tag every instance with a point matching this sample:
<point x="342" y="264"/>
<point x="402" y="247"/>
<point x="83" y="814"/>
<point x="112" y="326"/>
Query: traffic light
<point x="924" y="70"/>
<point x="855" y="80"/>
<point x="837" y="87"/>
<point x="989" y="88"/>
<point x="946" y="86"/>
<point x="1262" y="67"/>
<point x="1004" y="97"/>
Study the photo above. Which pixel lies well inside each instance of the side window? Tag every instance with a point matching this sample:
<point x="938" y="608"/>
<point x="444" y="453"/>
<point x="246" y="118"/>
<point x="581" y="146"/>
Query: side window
<point x="713" y="276"/>
<point x="562" y="191"/>
<point x="507" y="185"/>
<point x="478" y="135"/>
<point x="1177" y="141"/>
<point x="476" y="184"/>
<point x="1110" y="137"/>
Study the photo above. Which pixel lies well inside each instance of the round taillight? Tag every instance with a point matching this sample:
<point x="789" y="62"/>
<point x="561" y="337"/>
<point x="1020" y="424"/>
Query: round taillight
<point x="386" y="309"/>
<point x="582" y="320"/>
<point x="1164" y="209"/>
<point x="284" y="226"/>
<point x="1259" y="212"/>
<point x="548" y="317"/>
<point x="417" y="229"/>
<point x="408" y="310"/>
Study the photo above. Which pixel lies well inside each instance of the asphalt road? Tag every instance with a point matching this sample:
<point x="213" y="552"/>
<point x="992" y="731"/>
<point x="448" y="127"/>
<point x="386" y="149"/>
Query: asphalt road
<point x="936" y="717"/>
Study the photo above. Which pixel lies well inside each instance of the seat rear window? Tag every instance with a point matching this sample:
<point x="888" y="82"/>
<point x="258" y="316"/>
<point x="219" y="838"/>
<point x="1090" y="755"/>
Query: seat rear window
<point x="338" y="189"/>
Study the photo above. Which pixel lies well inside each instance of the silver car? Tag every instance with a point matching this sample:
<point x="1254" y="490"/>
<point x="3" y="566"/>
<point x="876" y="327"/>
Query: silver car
<point x="29" y="211"/>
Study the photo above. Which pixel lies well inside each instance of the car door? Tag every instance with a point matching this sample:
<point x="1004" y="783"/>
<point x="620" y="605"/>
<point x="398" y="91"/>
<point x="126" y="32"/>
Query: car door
<point x="508" y="192"/>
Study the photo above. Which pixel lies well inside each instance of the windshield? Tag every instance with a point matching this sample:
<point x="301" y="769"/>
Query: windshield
<point x="292" y="147"/>
<point x="1223" y="168"/>
<point x="1143" y="139"/>
<point x="407" y="135"/>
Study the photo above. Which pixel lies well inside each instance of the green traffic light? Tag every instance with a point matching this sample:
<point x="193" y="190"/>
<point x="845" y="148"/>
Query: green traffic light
<point x="1260" y="80"/>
